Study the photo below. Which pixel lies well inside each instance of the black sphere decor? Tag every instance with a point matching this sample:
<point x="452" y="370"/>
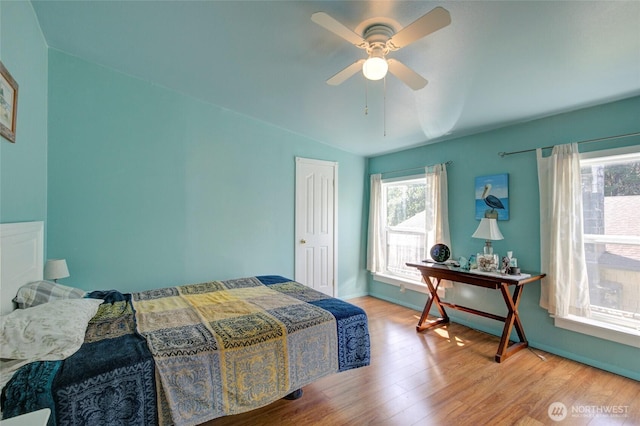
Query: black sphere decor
<point x="440" y="252"/>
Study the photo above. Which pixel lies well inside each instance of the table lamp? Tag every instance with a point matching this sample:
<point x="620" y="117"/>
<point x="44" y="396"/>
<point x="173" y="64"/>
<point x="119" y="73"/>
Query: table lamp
<point x="488" y="230"/>
<point x="56" y="269"/>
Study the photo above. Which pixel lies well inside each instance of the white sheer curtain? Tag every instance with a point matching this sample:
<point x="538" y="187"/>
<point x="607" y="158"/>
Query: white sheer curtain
<point x="437" y="207"/>
<point x="376" y="248"/>
<point x="565" y="289"/>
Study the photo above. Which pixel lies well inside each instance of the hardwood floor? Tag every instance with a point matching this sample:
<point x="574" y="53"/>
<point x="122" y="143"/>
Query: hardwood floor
<point x="448" y="376"/>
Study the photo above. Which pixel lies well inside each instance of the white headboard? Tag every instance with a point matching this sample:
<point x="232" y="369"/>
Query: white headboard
<point x="21" y="259"/>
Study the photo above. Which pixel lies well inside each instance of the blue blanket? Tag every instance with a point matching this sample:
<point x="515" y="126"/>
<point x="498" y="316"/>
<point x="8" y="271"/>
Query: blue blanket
<point x="109" y="381"/>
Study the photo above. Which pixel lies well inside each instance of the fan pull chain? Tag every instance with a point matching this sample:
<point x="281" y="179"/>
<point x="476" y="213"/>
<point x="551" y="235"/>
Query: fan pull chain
<point x="384" y="109"/>
<point x="366" y="97"/>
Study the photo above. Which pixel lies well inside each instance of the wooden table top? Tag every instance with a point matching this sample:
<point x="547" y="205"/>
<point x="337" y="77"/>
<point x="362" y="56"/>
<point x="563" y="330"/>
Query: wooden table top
<point x="474" y="276"/>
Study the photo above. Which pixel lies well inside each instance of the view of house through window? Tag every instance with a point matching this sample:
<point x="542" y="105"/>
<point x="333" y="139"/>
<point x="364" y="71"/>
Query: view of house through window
<point x="611" y="209"/>
<point x="404" y="203"/>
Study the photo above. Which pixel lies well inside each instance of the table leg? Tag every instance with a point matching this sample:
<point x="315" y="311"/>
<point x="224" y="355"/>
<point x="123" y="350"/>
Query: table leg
<point x="513" y="318"/>
<point x="433" y="298"/>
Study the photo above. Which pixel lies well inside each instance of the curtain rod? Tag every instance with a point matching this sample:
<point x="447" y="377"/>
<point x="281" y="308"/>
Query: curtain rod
<point x="504" y="154"/>
<point x="448" y="163"/>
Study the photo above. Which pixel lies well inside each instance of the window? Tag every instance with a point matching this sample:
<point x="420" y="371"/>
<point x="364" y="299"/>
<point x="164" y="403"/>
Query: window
<point x="611" y="210"/>
<point x="403" y="209"/>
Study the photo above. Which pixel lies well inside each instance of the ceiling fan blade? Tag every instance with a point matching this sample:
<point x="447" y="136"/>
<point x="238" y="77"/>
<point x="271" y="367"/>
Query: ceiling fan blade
<point x="331" y="24"/>
<point x="346" y="73"/>
<point x="430" y="22"/>
<point x="406" y="74"/>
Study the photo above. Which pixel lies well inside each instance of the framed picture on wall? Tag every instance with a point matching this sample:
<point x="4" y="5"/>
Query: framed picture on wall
<point x="492" y="196"/>
<point x="8" y="104"/>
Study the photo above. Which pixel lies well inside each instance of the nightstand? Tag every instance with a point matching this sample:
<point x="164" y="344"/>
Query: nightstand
<point x="35" y="418"/>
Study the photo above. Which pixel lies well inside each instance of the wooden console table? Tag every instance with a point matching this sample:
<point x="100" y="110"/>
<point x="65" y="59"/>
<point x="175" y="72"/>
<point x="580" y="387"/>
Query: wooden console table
<point x="494" y="281"/>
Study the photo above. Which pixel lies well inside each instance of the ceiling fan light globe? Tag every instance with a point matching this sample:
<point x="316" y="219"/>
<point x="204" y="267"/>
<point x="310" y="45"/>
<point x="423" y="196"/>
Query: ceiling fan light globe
<point x="375" y="68"/>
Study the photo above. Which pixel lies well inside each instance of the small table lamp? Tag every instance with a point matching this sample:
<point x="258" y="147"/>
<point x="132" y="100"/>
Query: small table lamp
<point x="488" y="230"/>
<point x="56" y="269"/>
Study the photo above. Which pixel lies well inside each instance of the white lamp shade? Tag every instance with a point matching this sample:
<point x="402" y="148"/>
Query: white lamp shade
<point x="375" y="68"/>
<point x="488" y="230"/>
<point x="56" y="269"/>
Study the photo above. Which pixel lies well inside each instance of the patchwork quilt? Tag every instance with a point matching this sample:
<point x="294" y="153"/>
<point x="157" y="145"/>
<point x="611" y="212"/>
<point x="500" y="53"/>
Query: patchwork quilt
<point x="184" y="355"/>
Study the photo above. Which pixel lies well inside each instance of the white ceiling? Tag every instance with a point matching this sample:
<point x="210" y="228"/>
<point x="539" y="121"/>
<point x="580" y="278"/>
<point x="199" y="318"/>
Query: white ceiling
<point x="498" y="63"/>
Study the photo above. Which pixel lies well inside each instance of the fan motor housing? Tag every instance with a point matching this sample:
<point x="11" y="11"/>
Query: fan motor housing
<point x="377" y="36"/>
<point x="378" y="33"/>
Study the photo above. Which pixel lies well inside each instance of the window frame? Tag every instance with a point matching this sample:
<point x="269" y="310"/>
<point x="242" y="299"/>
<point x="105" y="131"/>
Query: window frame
<point x="386" y="276"/>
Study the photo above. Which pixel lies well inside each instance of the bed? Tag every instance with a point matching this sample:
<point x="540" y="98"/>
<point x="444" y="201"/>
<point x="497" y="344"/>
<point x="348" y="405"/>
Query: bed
<point x="178" y="355"/>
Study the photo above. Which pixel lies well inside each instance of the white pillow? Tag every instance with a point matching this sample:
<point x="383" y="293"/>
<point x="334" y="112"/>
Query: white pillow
<point x="47" y="332"/>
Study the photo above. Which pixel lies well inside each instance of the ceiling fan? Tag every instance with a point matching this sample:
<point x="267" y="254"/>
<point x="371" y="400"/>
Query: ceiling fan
<point x="378" y="40"/>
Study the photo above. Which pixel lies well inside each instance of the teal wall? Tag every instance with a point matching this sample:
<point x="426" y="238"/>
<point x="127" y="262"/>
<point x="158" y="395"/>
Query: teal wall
<point x="23" y="165"/>
<point x="476" y="155"/>
<point x="150" y="188"/>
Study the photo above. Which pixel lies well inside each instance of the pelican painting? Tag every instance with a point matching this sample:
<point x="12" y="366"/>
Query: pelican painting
<point x="492" y="197"/>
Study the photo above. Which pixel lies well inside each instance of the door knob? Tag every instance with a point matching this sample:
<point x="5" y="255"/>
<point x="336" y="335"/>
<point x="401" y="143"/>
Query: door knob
<point x="303" y="241"/>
